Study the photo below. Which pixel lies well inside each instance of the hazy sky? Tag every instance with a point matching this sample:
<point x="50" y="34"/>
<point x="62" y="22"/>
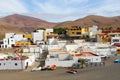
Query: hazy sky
<point x="60" y="10"/>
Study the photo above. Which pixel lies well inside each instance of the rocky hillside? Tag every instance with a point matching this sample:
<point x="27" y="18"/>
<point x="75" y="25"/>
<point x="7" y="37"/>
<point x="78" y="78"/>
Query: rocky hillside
<point x="91" y="20"/>
<point x="19" y="23"/>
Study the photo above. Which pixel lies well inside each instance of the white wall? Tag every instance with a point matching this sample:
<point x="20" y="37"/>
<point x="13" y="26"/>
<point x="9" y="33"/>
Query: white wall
<point x="10" y="39"/>
<point x="37" y="36"/>
<point x="10" y="64"/>
<point x="60" y="63"/>
<point x="8" y="35"/>
<point x="52" y="42"/>
<point x="36" y="51"/>
<point x="115" y="40"/>
<point x="49" y="30"/>
<point x="18" y="37"/>
<point x="16" y="64"/>
<point x="71" y="47"/>
<point x="90" y="58"/>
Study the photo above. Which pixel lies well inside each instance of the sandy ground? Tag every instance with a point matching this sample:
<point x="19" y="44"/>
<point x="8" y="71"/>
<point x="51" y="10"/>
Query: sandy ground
<point x="110" y="71"/>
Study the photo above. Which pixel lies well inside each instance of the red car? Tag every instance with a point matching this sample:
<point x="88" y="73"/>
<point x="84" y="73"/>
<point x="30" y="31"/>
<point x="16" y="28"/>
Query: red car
<point x="71" y="70"/>
<point x="116" y="44"/>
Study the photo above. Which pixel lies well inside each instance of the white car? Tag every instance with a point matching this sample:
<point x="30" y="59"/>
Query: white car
<point x="36" y="69"/>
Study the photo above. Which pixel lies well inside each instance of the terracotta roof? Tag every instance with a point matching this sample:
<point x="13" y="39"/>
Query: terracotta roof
<point x="52" y="34"/>
<point x="85" y="54"/>
<point x="111" y="31"/>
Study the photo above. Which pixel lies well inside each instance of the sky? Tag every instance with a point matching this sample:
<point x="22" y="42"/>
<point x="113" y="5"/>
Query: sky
<point x="60" y="10"/>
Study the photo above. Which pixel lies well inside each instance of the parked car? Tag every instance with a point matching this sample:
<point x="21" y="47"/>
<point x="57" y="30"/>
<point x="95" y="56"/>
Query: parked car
<point x="117" y="61"/>
<point x="116" y="44"/>
<point x="36" y="69"/>
<point x="72" y="70"/>
<point x="52" y="67"/>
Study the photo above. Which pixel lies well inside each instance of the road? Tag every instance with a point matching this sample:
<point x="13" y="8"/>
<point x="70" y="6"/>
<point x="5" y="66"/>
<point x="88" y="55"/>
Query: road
<point x="109" y="72"/>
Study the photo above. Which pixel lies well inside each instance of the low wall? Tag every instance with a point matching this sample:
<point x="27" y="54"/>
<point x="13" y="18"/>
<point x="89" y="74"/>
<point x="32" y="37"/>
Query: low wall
<point x="12" y="64"/>
<point x="60" y="63"/>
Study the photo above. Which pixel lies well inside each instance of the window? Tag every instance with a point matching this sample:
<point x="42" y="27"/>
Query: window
<point x="116" y="40"/>
<point x="16" y="64"/>
<point x="52" y="56"/>
<point x="78" y="33"/>
<point x="0" y="64"/>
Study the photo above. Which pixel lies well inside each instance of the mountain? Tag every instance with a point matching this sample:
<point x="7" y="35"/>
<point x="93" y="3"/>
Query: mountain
<point x="20" y="23"/>
<point x="88" y="21"/>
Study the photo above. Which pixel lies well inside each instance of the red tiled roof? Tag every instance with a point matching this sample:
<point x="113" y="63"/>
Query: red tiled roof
<point x="111" y="31"/>
<point x="85" y="54"/>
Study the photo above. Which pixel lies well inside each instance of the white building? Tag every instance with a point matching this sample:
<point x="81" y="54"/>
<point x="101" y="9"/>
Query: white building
<point x="52" y="41"/>
<point x="36" y="51"/>
<point x="15" y="63"/>
<point x="89" y="56"/>
<point x="59" y="57"/>
<point x="38" y="36"/>
<point x="50" y="30"/>
<point x="8" y="42"/>
<point x="93" y="31"/>
<point x="10" y="39"/>
<point x="115" y="39"/>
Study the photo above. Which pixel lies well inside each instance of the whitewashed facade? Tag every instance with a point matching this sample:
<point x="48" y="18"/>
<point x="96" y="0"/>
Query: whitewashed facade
<point x="16" y="64"/>
<point x="38" y="36"/>
<point x="10" y="39"/>
<point x="115" y="40"/>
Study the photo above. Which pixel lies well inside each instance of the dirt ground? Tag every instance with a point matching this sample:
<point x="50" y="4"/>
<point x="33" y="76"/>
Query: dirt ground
<point x="7" y="51"/>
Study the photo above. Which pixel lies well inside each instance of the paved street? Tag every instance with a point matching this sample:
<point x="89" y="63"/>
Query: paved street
<point x="110" y="72"/>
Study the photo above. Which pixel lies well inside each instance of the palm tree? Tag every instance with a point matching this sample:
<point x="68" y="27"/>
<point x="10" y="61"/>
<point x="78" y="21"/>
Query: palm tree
<point x="82" y="62"/>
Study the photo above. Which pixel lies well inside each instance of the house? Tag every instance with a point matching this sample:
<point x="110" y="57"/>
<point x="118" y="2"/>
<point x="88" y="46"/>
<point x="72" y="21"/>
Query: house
<point x="93" y="31"/>
<point x="89" y="56"/>
<point x="49" y="33"/>
<point x="108" y="35"/>
<point x="16" y="62"/>
<point x="10" y="39"/>
<point x="43" y="35"/>
<point x="33" y="50"/>
<point x="115" y="39"/>
<point x="38" y="36"/>
<point x="59" y="57"/>
<point x="77" y="31"/>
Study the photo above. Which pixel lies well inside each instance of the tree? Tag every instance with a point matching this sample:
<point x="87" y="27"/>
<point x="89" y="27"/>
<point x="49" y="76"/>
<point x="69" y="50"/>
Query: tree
<point x="118" y="28"/>
<point x="82" y="62"/>
<point x="60" y="30"/>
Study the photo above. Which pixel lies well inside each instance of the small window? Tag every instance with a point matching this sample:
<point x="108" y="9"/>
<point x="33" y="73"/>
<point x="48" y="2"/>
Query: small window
<point x="78" y="33"/>
<point x="52" y="56"/>
<point x="116" y="40"/>
<point x="16" y="64"/>
<point x="72" y="32"/>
